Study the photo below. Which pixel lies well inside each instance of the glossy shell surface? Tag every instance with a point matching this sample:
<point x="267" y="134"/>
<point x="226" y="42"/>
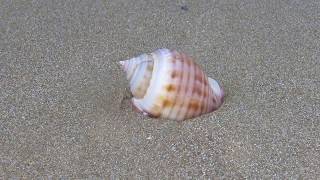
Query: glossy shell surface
<point x="169" y="84"/>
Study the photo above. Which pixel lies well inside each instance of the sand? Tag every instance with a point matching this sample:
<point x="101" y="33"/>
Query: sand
<point x="64" y="102"/>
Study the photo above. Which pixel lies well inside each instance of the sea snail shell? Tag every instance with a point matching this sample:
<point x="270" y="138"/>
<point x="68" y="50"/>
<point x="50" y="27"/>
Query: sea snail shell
<point x="169" y="84"/>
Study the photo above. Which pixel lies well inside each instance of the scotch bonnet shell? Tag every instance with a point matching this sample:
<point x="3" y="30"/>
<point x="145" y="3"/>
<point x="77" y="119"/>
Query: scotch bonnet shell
<point x="169" y="84"/>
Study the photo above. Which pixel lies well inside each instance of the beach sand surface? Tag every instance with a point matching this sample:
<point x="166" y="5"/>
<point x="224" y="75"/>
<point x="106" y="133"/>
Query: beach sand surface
<point x="65" y="107"/>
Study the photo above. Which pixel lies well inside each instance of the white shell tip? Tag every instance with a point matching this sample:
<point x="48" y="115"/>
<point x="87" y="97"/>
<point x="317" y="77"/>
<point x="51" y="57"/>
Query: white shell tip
<point x="216" y="88"/>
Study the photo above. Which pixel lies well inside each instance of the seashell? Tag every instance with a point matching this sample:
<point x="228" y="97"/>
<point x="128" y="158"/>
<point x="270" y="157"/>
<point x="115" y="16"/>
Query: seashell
<point x="169" y="84"/>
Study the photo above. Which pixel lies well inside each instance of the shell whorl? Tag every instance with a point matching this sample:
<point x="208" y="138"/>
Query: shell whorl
<point x="139" y="71"/>
<point x="169" y="84"/>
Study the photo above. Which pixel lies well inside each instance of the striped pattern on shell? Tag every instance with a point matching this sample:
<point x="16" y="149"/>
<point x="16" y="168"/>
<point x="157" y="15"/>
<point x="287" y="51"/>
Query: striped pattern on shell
<point x="169" y="84"/>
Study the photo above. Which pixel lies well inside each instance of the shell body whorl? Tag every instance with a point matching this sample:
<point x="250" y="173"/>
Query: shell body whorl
<point x="169" y="84"/>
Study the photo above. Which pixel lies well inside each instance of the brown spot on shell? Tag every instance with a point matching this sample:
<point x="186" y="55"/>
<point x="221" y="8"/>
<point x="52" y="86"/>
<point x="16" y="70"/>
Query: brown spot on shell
<point x="174" y="74"/>
<point x="171" y="88"/>
<point x="196" y="89"/>
<point x="167" y="103"/>
<point x="194" y="105"/>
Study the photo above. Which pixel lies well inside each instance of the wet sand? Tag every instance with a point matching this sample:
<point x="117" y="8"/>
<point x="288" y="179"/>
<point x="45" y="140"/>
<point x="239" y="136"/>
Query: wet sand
<point x="64" y="103"/>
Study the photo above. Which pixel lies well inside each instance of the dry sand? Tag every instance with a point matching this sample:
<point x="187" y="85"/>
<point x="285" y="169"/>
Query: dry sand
<point x="64" y="108"/>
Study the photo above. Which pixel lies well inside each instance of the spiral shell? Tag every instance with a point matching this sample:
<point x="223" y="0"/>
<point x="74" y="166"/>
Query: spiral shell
<point x="169" y="84"/>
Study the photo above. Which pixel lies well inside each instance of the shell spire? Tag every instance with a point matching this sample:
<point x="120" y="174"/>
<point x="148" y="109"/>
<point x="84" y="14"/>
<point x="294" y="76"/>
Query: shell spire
<point x="169" y="84"/>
